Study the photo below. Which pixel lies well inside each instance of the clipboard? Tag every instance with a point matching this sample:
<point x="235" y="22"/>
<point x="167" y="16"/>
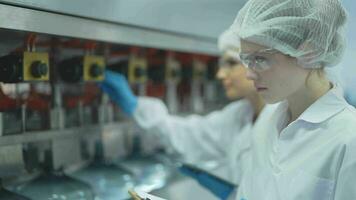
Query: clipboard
<point x="140" y="195"/>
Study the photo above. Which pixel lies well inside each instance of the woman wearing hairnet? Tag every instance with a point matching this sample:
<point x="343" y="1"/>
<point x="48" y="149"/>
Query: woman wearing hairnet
<point x="201" y="138"/>
<point x="304" y="146"/>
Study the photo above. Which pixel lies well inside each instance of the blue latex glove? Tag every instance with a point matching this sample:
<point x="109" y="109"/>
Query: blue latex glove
<point x="117" y="87"/>
<point x="217" y="186"/>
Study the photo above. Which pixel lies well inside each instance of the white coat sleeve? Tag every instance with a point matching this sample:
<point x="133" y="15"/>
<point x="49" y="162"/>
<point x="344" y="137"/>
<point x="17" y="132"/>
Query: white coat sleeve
<point x="346" y="181"/>
<point x="196" y="138"/>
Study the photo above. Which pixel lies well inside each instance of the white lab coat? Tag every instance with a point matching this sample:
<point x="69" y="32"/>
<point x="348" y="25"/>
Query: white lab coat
<point x="202" y="138"/>
<point x="313" y="158"/>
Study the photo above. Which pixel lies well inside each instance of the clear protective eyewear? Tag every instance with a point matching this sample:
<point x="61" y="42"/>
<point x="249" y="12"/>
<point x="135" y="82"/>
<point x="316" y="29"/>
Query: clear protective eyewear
<point x="256" y="61"/>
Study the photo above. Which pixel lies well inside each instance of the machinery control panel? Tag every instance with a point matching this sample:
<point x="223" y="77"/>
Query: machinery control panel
<point x="28" y="66"/>
<point x="82" y="68"/>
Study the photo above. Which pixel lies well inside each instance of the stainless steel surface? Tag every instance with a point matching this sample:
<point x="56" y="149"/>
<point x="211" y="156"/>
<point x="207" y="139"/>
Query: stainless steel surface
<point x="172" y="97"/>
<point x="57" y="112"/>
<point x="55" y="187"/>
<point x="1" y="124"/>
<point x="8" y="195"/>
<point x="115" y="142"/>
<point x="150" y="172"/>
<point x="57" y="118"/>
<point x="11" y="160"/>
<point x="65" y="152"/>
<point x="196" y="96"/>
<point x="172" y="67"/>
<point x="24" y="19"/>
<point x="105" y="110"/>
<point x="204" y="18"/>
<point x="57" y="134"/>
<point x="108" y="181"/>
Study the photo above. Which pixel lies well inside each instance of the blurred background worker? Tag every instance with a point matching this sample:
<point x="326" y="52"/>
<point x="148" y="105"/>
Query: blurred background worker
<point x="201" y="138"/>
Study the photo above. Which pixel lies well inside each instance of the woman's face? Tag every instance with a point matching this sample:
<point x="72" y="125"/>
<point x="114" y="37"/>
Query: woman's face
<point x="276" y="76"/>
<point x="232" y="74"/>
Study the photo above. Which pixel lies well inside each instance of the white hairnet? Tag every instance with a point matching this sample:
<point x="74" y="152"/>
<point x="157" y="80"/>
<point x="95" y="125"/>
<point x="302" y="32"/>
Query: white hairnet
<point x="229" y="43"/>
<point x="309" y="30"/>
<point x="228" y="40"/>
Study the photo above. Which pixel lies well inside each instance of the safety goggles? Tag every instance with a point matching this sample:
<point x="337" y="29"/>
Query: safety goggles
<point x="257" y="61"/>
